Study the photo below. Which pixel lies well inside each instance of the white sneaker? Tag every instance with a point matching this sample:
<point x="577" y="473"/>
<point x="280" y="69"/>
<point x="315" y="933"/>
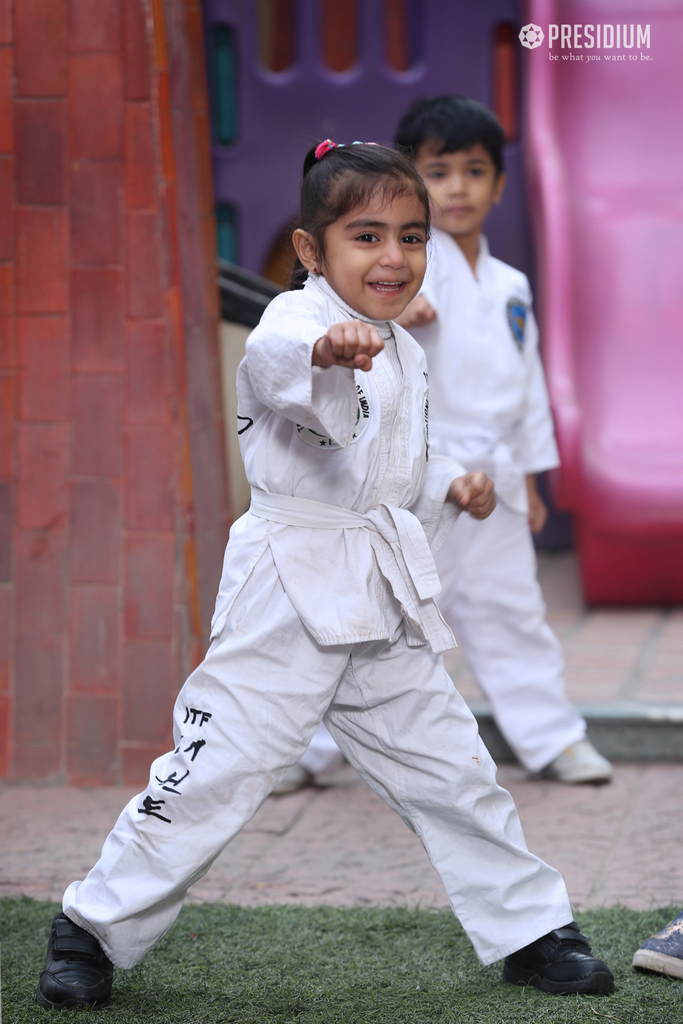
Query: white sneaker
<point x="579" y="763"/>
<point x="295" y="779"/>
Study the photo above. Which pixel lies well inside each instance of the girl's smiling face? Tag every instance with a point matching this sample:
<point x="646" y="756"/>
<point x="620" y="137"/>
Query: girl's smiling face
<point x="375" y="256"/>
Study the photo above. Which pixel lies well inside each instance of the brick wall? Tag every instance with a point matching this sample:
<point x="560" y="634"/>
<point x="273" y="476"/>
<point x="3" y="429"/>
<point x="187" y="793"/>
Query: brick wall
<point x="99" y="592"/>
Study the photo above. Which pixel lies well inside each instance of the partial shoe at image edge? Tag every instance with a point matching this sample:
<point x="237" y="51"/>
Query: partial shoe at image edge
<point x="579" y="763"/>
<point x="77" y="971"/>
<point x="658" y="963"/>
<point x="559" y="963"/>
<point x="663" y="952"/>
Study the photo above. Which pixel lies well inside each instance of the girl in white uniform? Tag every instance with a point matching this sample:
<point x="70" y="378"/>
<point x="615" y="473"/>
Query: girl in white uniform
<point x="326" y="609"/>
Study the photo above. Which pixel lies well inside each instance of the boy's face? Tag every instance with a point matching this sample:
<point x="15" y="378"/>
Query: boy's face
<point x="463" y="186"/>
<point x="375" y="256"/>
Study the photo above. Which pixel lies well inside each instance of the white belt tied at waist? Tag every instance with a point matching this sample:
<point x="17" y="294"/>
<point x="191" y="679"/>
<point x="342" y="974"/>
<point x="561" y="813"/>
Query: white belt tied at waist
<point x="411" y="572"/>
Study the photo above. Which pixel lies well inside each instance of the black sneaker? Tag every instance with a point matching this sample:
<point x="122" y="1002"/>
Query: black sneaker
<point x="77" y="971"/>
<point x="559" y="962"/>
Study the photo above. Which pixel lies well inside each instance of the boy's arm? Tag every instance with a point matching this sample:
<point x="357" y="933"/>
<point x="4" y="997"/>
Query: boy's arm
<point x="280" y="363"/>
<point x="417" y="313"/>
<point x="422" y="311"/>
<point x="538" y="512"/>
<point x="537" y="449"/>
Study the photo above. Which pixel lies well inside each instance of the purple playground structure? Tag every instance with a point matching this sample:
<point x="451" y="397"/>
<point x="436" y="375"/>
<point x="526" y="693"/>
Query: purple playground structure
<point x="264" y="120"/>
<point x="603" y="153"/>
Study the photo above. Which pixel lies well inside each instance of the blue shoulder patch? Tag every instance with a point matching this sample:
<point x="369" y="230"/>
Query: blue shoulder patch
<point x="516" y="314"/>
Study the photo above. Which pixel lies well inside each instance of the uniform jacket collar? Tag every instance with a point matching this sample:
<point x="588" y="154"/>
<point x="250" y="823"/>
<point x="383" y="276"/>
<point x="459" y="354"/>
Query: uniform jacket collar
<point x="318" y="282"/>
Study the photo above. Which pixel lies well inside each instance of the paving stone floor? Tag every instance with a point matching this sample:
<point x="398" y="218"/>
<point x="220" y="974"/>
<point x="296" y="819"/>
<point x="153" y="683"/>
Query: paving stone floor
<point x="340" y="845"/>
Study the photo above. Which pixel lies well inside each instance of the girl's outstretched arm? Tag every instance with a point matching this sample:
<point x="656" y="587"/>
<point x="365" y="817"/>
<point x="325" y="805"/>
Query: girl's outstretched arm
<point x="352" y="344"/>
<point x="280" y="371"/>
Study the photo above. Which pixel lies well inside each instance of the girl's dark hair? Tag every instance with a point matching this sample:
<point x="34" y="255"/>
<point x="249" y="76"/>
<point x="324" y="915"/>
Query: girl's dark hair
<point x="345" y="178"/>
<point x="453" y="123"/>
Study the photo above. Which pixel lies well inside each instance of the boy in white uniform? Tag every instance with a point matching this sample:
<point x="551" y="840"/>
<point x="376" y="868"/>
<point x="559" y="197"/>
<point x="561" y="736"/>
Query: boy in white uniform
<point x="489" y="410"/>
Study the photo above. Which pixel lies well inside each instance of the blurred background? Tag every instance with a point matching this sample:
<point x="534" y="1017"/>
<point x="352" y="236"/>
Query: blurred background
<point x="150" y="155"/>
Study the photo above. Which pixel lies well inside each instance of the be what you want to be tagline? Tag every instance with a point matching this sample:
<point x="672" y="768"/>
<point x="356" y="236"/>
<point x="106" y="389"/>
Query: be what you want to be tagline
<point x="590" y="42"/>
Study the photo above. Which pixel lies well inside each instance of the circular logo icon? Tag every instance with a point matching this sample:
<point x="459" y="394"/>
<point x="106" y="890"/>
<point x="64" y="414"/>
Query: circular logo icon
<point x="531" y="36"/>
<point x="320" y="441"/>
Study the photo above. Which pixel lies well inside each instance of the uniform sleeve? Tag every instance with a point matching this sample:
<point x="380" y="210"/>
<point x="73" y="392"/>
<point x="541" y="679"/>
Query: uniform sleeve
<point x="537" y="449"/>
<point x="429" y="285"/>
<point x="434" y="274"/>
<point x="437" y="515"/>
<point x="434" y="286"/>
<point x="278" y="361"/>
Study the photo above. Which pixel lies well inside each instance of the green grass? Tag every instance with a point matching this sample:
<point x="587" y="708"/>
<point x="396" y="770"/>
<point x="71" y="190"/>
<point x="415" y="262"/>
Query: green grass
<point x="323" y="965"/>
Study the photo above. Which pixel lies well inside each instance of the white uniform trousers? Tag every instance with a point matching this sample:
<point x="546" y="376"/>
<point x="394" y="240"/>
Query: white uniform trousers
<point x="322" y="754"/>
<point x="492" y="600"/>
<point x="247" y="714"/>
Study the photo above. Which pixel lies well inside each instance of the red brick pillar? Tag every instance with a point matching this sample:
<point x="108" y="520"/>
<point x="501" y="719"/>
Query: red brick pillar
<point x="7" y="378"/>
<point x="99" y="613"/>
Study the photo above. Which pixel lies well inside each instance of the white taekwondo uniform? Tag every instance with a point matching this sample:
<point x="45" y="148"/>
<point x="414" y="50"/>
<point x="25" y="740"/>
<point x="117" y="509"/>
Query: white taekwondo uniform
<point x="489" y="410"/>
<point x="326" y="608"/>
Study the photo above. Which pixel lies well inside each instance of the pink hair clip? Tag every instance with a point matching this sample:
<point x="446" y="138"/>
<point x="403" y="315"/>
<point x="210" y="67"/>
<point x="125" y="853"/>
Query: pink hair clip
<point x="324" y="147"/>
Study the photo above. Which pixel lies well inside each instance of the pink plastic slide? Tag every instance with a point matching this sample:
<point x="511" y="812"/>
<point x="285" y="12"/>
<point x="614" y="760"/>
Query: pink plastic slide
<point x="605" y="144"/>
